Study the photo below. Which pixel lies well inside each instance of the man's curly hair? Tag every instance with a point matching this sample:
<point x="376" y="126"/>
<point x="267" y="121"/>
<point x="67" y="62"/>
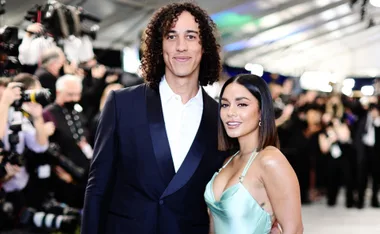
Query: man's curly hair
<point x="152" y="62"/>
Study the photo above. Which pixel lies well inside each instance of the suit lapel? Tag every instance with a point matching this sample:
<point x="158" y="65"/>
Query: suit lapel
<point x="197" y="149"/>
<point x="158" y="134"/>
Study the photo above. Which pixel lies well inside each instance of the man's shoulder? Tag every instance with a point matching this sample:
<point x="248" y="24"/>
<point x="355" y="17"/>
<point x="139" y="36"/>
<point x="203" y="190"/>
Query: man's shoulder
<point x="209" y="100"/>
<point x="135" y="90"/>
<point x="50" y="107"/>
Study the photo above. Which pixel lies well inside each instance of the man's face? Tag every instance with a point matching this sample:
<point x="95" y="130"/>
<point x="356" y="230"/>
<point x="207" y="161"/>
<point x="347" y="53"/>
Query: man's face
<point x="59" y="62"/>
<point x="182" y="49"/>
<point x="71" y="93"/>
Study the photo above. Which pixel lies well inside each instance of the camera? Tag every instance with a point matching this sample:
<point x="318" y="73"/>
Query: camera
<point x="9" y="42"/>
<point x="59" y="159"/>
<point x="41" y="96"/>
<point x="61" y="21"/>
<point x="12" y="156"/>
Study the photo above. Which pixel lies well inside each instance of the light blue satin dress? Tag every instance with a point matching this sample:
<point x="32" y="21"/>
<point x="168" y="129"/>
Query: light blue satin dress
<point x="237" y="212"/>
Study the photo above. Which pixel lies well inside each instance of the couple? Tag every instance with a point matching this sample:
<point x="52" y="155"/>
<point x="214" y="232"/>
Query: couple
<point x="157" y="167"/>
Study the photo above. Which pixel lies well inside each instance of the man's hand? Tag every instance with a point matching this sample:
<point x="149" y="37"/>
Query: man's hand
<point x="11" y="93"/>
<point x="70" y="68"/>
<point x="112" y="78"/>
<point x="11" y="170"/>
<point x="63" y="175"/>
<point x="34" y="29"/>
<point x="49" y="128"/>
<point x="34" y="109"/>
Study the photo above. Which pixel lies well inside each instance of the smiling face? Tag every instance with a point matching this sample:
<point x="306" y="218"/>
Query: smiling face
<point x="240" y="111"/>
<point x="182" y="49"/>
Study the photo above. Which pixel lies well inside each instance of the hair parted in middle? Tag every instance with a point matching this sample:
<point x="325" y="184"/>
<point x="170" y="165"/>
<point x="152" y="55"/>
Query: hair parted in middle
<point x="152" y="62"/>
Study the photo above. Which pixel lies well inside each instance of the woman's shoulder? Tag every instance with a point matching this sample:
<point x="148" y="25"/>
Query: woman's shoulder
<point x="272" y="157"/>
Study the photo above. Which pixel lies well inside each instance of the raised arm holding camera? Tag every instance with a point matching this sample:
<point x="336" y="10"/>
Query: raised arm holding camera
<point x="17" y="132"/>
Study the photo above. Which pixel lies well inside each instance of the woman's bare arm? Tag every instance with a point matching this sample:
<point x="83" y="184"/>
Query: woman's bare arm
<point x="283" y="190"/>
<point x="211" y="230"/>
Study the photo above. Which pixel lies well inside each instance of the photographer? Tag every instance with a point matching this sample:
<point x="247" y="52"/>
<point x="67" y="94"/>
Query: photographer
<point x="336" y="145"/>
<point x="95" y="79"/>
<point x="34" y="137"/>
<point x="53" y="60"/>
<point x="33" y="45"/>
<point x="71" y="135"/>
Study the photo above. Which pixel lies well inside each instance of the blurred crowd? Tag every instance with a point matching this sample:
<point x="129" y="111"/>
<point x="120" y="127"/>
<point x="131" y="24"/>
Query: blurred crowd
<point x="49" y="113"/>
<point x="48" y="118"/>
<point x="331" y="141"/>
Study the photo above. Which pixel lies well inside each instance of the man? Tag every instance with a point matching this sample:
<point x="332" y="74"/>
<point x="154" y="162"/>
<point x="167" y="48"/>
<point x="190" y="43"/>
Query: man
<point x="156" y="144"/>
<point x="18" y="133"/>
<point x="71" y="135"/>
<point x="368" y="160"/>
<point x="52" y="61"/>
<point x="77" y="49"/>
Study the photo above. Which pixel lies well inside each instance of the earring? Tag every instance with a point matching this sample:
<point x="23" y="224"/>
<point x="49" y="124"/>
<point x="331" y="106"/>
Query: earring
<point x="260" y="123"/>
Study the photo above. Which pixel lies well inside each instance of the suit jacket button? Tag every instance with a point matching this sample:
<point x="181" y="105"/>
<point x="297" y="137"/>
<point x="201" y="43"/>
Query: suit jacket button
<point x="161" y="202"/>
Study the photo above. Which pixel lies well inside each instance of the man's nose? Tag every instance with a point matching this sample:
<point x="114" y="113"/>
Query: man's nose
<point x="181" y="44"/>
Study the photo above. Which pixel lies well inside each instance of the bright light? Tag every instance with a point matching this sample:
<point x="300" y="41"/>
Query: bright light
<point x="367" y="90"/>
<point x="269" y="21"/>
<point x="375" y="3"/>
<point x="349" y="83"/>
<point x="257" y="70"/>
<point x="131" y="61"/>
<point x="327" y="15"/>
<point x="316" y="80"/>
<point x="347" y="91"/>
<point x="322" y="3"/>
<point x="249" y="28"/>
<point x="326" y="89"/>
<point x="332" y="25"/>
<point x="248" y="66"/>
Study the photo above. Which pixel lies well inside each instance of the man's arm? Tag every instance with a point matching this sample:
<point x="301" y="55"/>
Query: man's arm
<point x="105" y="151"/>
<point x="41" y="136"/>
<point x="31" y="48"/>
<point x="10" y="94"/>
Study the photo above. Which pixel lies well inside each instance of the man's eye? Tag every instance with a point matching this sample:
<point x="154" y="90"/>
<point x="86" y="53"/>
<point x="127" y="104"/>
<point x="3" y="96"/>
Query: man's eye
<point x="170" y="37"/>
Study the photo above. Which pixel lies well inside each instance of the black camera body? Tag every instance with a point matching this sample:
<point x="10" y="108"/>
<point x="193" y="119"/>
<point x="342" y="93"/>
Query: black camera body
<point x="57" y="158"/>
<point x="9" y="43"/>
<point x="61" y="21"/>
<point x="42" y="96"/>
<point x="12" y="156"/>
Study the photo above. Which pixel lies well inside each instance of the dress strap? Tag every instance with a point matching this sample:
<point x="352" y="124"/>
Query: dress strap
<point x="229" y="160"/>
<point x="251" y="159"/>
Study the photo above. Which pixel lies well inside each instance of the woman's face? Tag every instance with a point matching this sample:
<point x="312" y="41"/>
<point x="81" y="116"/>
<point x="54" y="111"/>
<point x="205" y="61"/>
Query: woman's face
<point x="313" y="116"/>
<point x="240" y="111"/>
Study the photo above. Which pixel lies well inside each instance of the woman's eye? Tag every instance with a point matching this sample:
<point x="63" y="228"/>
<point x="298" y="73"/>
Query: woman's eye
<point x="224" y="105"/>
<point x="242" y="104"/>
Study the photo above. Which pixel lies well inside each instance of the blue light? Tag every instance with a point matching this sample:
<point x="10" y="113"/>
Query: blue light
<point x="240" y="45"/>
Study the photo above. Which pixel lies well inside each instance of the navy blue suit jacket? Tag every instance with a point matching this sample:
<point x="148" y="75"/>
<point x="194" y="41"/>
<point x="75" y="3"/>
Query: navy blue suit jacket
<point x="132" y="186"/>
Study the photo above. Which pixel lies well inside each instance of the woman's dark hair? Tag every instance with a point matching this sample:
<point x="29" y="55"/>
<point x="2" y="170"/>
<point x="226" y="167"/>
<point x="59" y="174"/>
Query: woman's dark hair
<point x="152" y="62"/>
<point x="267" y="131"/>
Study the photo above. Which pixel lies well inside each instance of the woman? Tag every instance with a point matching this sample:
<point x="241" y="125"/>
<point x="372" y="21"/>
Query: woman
<point x="256" y="187"/>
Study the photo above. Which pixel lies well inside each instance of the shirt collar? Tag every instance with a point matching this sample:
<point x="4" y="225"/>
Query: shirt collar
<point x="166" y="93"/>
